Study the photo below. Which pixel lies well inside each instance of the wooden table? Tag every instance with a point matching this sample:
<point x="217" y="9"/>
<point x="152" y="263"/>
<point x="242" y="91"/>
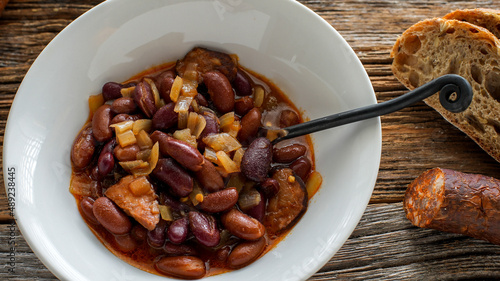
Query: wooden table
<point x="384" y="246"/>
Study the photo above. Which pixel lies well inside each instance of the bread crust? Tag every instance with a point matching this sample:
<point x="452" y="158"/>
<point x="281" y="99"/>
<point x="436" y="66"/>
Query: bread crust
<point x="435" y="47"/>
<point x="487" y="18"/>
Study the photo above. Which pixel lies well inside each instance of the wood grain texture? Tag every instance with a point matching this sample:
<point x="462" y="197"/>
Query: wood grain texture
<point x="384" y="246"/>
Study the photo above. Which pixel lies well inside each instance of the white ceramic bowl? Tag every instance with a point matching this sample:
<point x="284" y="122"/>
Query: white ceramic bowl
<point x="280" y="39"/>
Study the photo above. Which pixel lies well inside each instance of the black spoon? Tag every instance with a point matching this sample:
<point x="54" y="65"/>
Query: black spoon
<point x="455" y="96"/>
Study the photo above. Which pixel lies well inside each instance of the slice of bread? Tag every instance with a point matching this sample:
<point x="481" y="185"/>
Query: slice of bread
<point x="487" y="18"/>
<point x="434" y="47"/>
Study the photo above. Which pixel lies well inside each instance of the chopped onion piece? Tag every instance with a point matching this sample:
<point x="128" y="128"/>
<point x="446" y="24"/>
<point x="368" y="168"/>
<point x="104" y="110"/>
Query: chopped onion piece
<point x="229" y="165"/>
<point x="185" y="135"/>
<point x="144" y="154"/>
<point x="258" y="96"/>
<point x="95" y="102"/>
<point x="140" y="186"/>
<point x="145" y="170"/>
<point x="182" y="104"/>
<point x="238" y="156"/>
<point x="226" y="120"/>
<point x="175" y="91"/>
<point x="182" y="120"/>
<point x="189" y="88"/>
<point x="192" y="119"/>
<point x="126" y="138"/>
<point x="249" y="199"/>
<point x="156" y="93"/>
<point x="211" y="155"/>
<point x="313" y="183"/>
<point x="195" y="105"/>
<point x="233" y="129"/>
<point x="143" y="140"/>
<point x="122" y="126"/>
<point x="142" y="124"/>
<point x="127" y="92"/>
<point x="196" y="195"/>
<point x="134" y="164"/>
<point x="222" y="142"/>
<point x="237" y="181"/>
<point x="166" y="212"/>
<point x="200" y="126"/>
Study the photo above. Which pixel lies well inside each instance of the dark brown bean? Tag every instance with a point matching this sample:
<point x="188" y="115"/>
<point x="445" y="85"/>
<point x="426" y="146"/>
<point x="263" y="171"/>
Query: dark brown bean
<point x="188" y="267"/>
<point x="100" y="123"/>
<point x="139" y="233"/>
<point x="165" y="117"/>
<point x="178" y="230"/>
<point x="123" y="105"/>
<point x="220" y="91"/>
<point x="242" y="225"/>
<point x="288" y="118"/>
<point x="242" y="84"/>
<point x="207" y="60"/>
<point x="172" y="249"/>
<point x="204" y="228"/>
<point x="144" y="99"/>
<point x="289" y="153"/>
<point x="211" y="127"/>
<point x="182" y="152"/>
<point x="246" y="252"/>
<point x="83" y="148"/>
<point x="201" y="100"/>
<point x="250" y="124"/>
<point x="243" y="105"/>
<point x="127" y="153"/>
<point x="256" y="161"/>
<point x="168" y="171"/>
<point x="158" y="236"/>
<point x="126" y="243"/>
<point x="105" y="164"/>
<point x="124" y="117"/>
<point x="209" y="178"/>
<point x="258" y="212"/>
<point x="164" y="83"/>
<point x="86" y="204"/>
<point x="301" y="167"/>
<point x="219" y="201"/>
<point x="111" y="216"/>
<point x="111" y="91"/>
<point x="269" y="187"/>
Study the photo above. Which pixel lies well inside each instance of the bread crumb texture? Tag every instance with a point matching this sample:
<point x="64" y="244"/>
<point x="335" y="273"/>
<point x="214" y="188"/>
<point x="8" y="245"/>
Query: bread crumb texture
<point x="435" y="47"/>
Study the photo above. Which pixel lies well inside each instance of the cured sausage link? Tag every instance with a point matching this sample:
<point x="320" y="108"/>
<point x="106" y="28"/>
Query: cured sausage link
<point x="456" y="202"/>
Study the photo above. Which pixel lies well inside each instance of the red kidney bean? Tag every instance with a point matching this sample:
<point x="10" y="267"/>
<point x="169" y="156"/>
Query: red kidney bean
<point x="188" y="267"/>
<point x="172" y="249"/>
<point x="126" y="243"/>
<point x="123" y="105"/>
<point x="201" y="100"/>
<point x="256" y="161"/>
<point x="269" y="187"/>
<point x="127" y="153"/>
<point x="220" y="90"/>
<point x="175" y="204"/>
<point x="83" y="148"/>
<point x="288" y="118"/>
<point x="100" y="123"/>
<point x="86" y="204"/>
<point x="165" y="117"/>
<point x="111" y="216"/>
<point x="209" y="178"/>
<point x="105" y="164"/>
<point x="164" y="83"/>
<point x="222" y="254"/>
<point x="204" y="228"/>
<point x="111" y="91"/>
<point x="143" y="97"/>
<point x="139" y="233"/>
<point x="157" y="236"/>
<point x="250" y="124"/>
<point x="178" y="230"/>
<point x="172" y="174"/>
<point x="301" y="167"/>
<point x="246" y="252"/>
<point x="243" y="105"/>
<point x="242" y="225"/>
<point x="259" y="210"/>
<point x="219" y="201"/>
<point x="289" y="153"/>
<point x="181" y="151"/>
<point x="124" y="117"/>
<point x="242" y="84"/>
<point x="211" y="127"/>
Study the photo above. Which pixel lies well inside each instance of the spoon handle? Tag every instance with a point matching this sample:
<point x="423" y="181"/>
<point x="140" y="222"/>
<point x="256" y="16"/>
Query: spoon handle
<point x="455" y="95"/>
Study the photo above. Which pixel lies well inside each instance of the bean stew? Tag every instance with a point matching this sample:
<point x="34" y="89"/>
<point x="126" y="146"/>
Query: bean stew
<point x="174" y="175"/>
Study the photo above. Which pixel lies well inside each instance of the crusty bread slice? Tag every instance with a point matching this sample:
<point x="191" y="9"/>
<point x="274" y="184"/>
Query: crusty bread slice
<point x="434" y="47"/>
<point x="487" y="18"/>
